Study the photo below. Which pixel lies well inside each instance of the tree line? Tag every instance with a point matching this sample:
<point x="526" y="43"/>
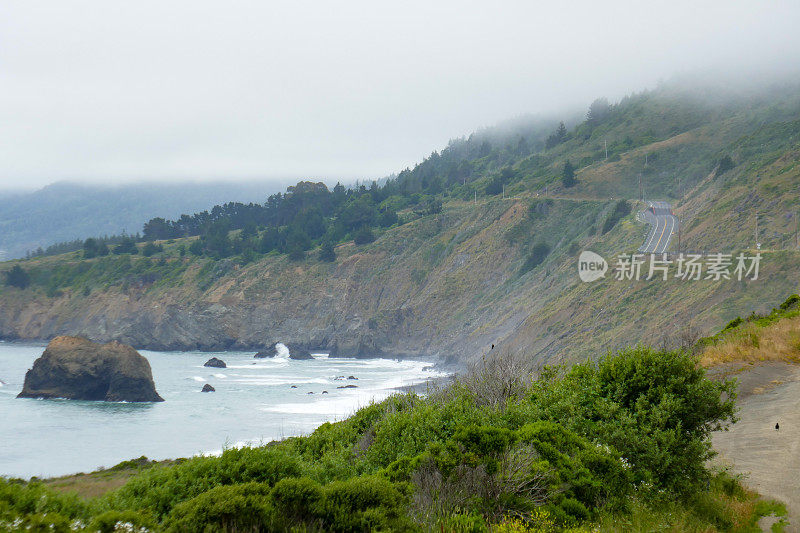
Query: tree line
<point x="310" y="215"/>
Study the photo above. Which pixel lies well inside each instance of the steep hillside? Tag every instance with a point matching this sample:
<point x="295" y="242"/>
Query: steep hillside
<point x="479" y="273"/>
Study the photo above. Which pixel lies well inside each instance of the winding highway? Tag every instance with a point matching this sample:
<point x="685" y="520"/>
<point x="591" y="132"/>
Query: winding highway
<point x="663" y="225"/>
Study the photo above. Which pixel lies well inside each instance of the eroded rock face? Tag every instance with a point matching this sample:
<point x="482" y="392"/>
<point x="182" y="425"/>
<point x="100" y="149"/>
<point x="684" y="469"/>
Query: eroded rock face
<point x="299" y="353"/>
<point x="78" y="369"/>
<point x="215" y="363"/>
<point x="272" y="351"/>
<point x="296" y="351"/>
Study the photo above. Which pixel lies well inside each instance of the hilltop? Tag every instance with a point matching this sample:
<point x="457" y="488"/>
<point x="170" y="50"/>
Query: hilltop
<point x="67" y="211"/>
<point x="482" y="251"/>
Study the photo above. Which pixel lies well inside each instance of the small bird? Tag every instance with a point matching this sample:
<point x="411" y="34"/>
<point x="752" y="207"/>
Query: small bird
<point x="492" y="346"/>
<point x="777" y="426"/>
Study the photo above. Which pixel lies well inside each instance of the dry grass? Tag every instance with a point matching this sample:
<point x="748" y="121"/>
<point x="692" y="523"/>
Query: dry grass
<point x="98" y="483"/>
<point x="91" y="485"/>
<point x="752" y="344"/>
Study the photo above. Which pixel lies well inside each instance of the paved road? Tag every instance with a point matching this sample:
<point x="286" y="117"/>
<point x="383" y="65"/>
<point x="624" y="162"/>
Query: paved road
<point x="663" y="225"/>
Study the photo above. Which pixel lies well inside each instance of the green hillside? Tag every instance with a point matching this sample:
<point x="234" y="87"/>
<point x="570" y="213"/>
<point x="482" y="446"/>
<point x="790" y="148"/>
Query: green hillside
<point x="495" y="264"/>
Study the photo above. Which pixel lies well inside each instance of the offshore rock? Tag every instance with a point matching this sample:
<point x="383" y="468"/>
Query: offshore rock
<point x="78" y="369"/>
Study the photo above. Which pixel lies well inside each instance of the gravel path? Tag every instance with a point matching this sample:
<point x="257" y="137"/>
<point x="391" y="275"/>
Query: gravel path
<point x="770" y="459"/>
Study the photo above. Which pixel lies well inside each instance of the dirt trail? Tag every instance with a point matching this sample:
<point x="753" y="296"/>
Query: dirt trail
<point x="770" y="459"/>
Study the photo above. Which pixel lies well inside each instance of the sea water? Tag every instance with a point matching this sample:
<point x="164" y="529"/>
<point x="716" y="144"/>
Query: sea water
<point x="254" y="403"/>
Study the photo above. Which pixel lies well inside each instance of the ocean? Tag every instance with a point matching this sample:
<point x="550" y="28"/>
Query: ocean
<point x="254" y="403"/>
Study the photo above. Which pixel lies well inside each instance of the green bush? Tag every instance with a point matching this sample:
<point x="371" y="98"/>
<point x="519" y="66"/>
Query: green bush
<point x="657" y="408"/>
<point x="326" y="253"/>
<point x="295" y="500"/>
<point x="37" y="508"/>
<point x="160" y="488"/>
<point x="17" y="277"/>
<point x="363" y="504"/>
<point x="363" y="236"/>
<point x="111" y="521"/>
<point x="621" y="209"/>
<point x="536" y="257"/>
<point x="496" y="443"/>
<point x="241" y="507"/>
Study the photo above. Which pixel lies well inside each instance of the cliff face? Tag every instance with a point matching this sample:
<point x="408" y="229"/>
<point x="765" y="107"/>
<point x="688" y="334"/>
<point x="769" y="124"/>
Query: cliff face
<point x="429" y="287"/>
<point x="445" y="286"/>
<point x="78" y="369"/>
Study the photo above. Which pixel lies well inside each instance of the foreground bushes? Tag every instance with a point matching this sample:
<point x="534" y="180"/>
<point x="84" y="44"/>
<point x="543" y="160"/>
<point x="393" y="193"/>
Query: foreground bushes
<point x="498" y="446"/>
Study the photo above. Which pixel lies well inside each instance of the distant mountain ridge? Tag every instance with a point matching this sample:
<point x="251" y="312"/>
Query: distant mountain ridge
<point x="66" y="211"/>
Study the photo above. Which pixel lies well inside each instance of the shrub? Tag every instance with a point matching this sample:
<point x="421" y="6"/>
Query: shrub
<point x="640" y="397"/>
<point x="241" y="507"/>
<point x="363" y="504"/>
<point x="295" y="500"/>
<point x="538" y="254"/>
<point x="38" y="508"/>
<point x="363" y="236"/>
<point x="326" y="253"/>
<point x="621" y="209"/>
<point x="725" y="164"/>
<point x="126" y="246"/>
<point x="111" y="521"/>
<point x="18" y="277"/>
<point x="151" y="249"/>
<point x="568" y="175"/>
<point x="196" y="248"/>
<point x="296" y="254"/>
<point x="159" y="489"/>
<point x="494" y="187"/>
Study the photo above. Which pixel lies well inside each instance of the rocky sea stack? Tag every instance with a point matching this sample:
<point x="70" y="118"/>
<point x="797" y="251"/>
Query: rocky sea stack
<point x="272" y="351"/>
<point x="78" y="369"/>
<point x="299" y="353"/>
<point x="296" y="352"/>
<point x="215" y="363"/>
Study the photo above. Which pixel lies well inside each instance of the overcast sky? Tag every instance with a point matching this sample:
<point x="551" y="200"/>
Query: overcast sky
<point x="111" y="91"/>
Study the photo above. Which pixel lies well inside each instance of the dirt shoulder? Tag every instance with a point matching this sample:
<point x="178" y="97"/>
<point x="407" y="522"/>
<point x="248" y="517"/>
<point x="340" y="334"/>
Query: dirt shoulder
<point x="769" y="393"/>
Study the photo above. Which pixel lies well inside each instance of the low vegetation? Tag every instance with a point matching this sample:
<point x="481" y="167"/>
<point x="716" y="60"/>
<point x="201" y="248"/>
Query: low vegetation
<point x="774" y="336"/>
<point x="619" y="444"/>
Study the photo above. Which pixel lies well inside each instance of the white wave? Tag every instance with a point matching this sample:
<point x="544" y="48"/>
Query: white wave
<point x="220" y="376"/>
<point x="278" y="380"/>
<point x="283" y="351"/>
<point x="198" y="378"/>
<point x="338" y="407"/>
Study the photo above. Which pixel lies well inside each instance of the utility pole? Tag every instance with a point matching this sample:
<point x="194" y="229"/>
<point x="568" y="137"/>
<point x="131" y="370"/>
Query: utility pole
<point x="476" y="197"/>
<point x="641" y="192"/>
<point x="757" y="230"/>
<point x="645" y="159"/>
<point x="605" y="143"/>
<point x="796" y="226"/>
<point x="504" y="192"/>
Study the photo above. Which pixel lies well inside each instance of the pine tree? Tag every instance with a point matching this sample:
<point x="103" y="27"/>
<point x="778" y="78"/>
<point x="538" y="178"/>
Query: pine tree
<point x="326" y="253"/>
<point x="18" y="277"/>
<point x="568" y="177"/>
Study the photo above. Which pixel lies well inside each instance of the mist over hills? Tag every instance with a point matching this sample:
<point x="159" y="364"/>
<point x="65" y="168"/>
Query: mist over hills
<point x="474" y="246"/>
<point x="65" y="211"/>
